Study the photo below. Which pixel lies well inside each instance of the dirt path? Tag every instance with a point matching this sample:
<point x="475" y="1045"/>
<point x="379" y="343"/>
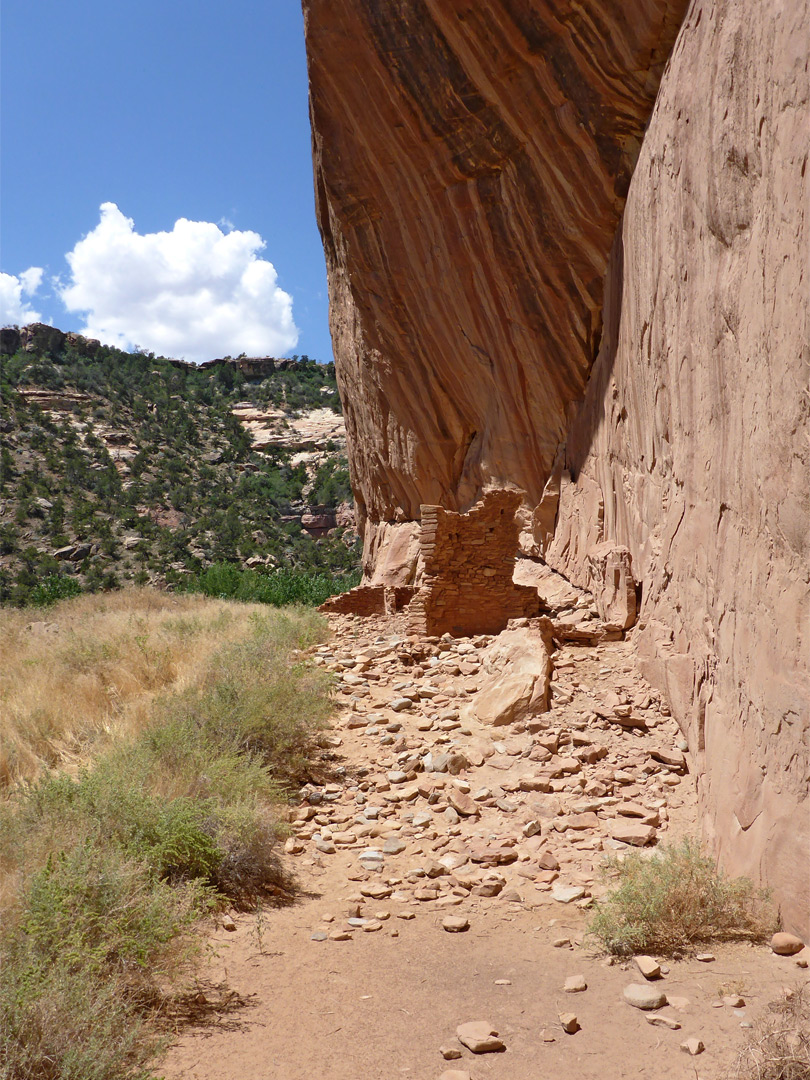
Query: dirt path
<point x="505" y="828"/>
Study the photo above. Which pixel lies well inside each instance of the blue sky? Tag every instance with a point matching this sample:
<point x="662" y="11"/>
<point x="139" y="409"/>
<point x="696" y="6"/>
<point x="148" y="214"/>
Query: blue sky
<point x="161" y="112"/>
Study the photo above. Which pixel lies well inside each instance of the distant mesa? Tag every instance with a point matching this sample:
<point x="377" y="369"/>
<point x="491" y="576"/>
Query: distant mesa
<point x="40" y="338"/>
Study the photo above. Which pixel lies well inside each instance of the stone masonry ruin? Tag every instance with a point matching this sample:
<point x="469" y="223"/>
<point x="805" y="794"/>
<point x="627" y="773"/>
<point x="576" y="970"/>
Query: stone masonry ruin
<point x="466" y="583"/>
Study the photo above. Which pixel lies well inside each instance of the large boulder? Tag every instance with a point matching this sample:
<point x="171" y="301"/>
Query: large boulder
<point x="517" y="668"/>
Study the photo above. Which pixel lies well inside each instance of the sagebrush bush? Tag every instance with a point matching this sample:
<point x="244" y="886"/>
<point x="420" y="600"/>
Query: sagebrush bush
<point x="674" y="899"/>
<point x="104" y="871"/>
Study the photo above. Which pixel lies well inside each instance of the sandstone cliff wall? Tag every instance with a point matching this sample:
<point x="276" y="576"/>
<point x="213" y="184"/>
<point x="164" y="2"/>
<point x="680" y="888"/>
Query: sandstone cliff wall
<point x="471" y="164"/>
<point x="471" y="168"/>
<point x="692" y="444"/>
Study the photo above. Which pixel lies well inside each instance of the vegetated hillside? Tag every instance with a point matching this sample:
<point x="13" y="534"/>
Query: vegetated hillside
<point x="126" y="467"/>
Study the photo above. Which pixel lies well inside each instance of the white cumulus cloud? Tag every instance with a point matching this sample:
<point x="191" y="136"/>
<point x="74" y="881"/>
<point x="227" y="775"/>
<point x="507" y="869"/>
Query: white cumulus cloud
<point x="14" y="308"/>
<point x="195" y="292"/>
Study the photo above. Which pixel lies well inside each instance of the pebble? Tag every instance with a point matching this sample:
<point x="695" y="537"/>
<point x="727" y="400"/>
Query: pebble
<point x="693" y="1047"/>
<point x="734" y="1001"/>
<point x="642" y="996"/>
<point x="455" y="924"/>
<point x="786" y="944"/>
<point x="401" y="704"/>
<point x="480" y="1037"/>
<point x="569" y="1023"/>
<point x="706" y="957"/>
<point x="318" y="935"/>
<point x="575" y="984"/>
<point x="228" y="923"/>
<point x="648" y="967"/>
<point x="663" y="1021"/>
<point x="450" y="1053"/>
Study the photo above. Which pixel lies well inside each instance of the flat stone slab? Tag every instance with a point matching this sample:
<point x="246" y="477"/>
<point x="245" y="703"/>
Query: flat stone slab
<point x="480" y="1037"/>
<point x="566" y="894"/>
<point x="630" y="831"/>
<point x="644" y="996"/>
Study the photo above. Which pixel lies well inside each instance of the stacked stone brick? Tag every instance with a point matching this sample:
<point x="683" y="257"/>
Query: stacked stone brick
<point x="469" y="559"/>
<point x="368" y="600"/>
<point x="467" y="585"/>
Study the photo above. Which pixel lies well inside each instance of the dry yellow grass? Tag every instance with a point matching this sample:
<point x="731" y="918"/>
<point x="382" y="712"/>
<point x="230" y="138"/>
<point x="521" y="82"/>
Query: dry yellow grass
<point x="85" y="673"/>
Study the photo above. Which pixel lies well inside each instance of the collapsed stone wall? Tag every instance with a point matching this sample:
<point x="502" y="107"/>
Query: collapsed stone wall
<point x="366" y="600"/>
<point x="469" y="560"/>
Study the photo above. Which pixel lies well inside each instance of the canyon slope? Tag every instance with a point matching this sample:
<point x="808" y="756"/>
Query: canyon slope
<point x="567" y="251"/>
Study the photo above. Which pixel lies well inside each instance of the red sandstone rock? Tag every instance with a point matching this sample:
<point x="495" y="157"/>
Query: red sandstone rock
<point x="467" y="197"/>
<point x="518" y="669"/>
<point x="692" y="435"/>
<point x="499" y="138"/>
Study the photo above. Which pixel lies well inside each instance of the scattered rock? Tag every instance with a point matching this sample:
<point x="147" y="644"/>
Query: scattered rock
<point x="632" y="832"/>
<point x="569" y="1023"/>
<point x="575" y="984"/>
<point x="455" y="924"/>
<point x="693" y="1047"/>
<point x="642" y="996"/>
<point x="648" y="967"/>
<point x="450" y="1053"/>
<point x="786" y="944"/>
<point x="480" y="1037"/>
<point x="227" y="923"/>
<point x="566" y="894"/>
<point x="393" y="846"/>
<point x="463" y="804"/>
<point x="663" y="1021"/>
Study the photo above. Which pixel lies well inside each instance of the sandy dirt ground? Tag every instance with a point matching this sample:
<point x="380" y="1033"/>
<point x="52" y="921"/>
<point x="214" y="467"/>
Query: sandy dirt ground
<point x="358" y="979"/>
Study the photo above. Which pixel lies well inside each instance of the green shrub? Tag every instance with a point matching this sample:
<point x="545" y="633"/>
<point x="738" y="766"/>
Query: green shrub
<point x="674" y="899"/>
<point x="96" y="932"/>
<point x="279" y="588"/>
<point x="60" y="1024"/>
<point x="96" y="910"/>
<point x="53" y="588"/>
